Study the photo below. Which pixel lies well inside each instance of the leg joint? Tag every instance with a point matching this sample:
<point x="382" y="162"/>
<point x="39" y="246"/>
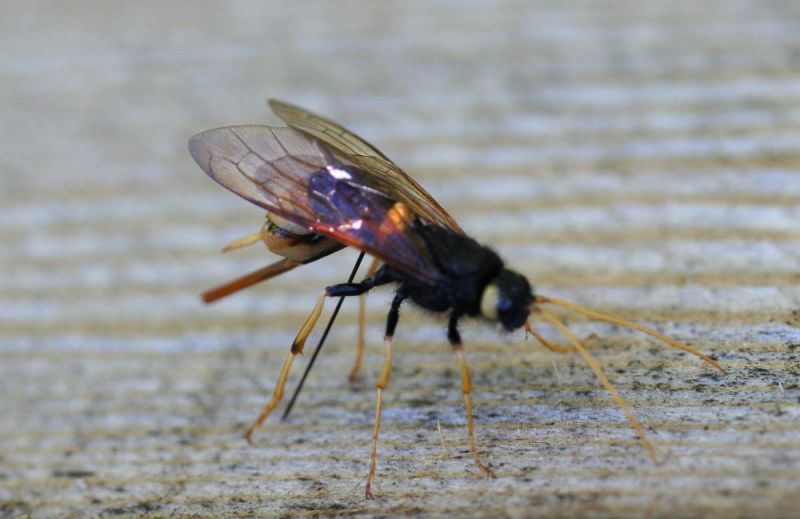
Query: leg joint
<point x="452" y="331"/>
<point x="381" y="277"/>
<point x="394" y="314"/>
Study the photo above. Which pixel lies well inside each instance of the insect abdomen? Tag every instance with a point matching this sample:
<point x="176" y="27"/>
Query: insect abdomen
<point x="294" y="242"/>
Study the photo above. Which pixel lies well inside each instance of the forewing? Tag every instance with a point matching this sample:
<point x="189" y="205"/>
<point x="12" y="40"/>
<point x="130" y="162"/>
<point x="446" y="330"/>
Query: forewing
<point x="267" y="166"/>
<point x="392" y="180"/>
<point x="297" y="177"/>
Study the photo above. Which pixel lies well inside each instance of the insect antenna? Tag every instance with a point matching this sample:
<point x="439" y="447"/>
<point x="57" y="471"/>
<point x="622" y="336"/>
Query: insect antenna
<point x="244" y="241"/>
<point x="257" y="276"/>
<point x="621" y="322"/>
<point x="599" y="373"/>
<point x="544" y="342"/>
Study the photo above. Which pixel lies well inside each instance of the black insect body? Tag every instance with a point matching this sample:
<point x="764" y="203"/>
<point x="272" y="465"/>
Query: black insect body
<point x="471" y="281"/>
<point x="463" y="268"/>
<point x="324" y="188"/>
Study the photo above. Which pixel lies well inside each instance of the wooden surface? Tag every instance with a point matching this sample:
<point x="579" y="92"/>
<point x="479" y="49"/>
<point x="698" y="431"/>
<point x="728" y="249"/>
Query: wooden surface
<point x="639" y="158"/>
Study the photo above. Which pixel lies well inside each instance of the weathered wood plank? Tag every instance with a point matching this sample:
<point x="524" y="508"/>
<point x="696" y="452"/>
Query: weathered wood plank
<point x="640" y="158"/>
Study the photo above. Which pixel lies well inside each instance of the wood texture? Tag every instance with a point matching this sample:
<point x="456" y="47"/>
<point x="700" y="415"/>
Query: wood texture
<point x="640" y="158"/>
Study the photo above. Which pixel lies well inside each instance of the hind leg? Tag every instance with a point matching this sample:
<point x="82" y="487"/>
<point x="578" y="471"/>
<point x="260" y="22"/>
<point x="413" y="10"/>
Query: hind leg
<point x="297" y="348"/>
<point x="342" y="289"/>
<point x="362" y="303"/>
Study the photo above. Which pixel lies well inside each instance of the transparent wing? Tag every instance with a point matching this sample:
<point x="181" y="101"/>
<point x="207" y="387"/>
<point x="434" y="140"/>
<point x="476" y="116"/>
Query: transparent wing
<point x="297" y="177"/>
<point x="393" y="180"/>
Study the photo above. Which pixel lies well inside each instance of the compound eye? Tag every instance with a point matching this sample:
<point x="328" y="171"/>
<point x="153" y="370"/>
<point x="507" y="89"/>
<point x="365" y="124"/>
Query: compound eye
<point x="490" y="301"/>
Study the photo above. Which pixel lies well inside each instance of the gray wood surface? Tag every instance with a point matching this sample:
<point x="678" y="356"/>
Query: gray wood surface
<point x="640" y="158"/>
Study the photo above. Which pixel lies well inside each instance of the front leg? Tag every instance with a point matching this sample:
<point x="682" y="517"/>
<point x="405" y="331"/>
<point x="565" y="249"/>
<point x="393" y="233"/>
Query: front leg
<point x="466" y="387"/>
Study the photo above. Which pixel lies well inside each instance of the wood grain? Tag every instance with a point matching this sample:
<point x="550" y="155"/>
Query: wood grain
<point x="640" y="158"/>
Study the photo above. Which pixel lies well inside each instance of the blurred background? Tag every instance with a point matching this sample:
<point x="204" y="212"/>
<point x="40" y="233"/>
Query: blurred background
<point x="640" y="158"/>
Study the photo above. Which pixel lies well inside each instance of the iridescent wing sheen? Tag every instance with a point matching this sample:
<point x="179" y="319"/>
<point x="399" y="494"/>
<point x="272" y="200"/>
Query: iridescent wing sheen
<point x="387" y="176"/>
<point x="299" y="178"/>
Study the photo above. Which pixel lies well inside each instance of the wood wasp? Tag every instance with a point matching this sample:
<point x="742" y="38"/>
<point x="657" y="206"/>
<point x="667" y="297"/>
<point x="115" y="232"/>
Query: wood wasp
<point x="324" y="188"/>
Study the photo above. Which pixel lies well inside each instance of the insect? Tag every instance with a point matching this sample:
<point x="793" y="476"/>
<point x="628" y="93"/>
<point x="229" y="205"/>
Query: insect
<point x="324" y="188"/>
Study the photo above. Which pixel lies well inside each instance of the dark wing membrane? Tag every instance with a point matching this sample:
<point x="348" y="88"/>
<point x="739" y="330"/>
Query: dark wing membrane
<point x="393" y="180"/>
<point x="296" y="177"/>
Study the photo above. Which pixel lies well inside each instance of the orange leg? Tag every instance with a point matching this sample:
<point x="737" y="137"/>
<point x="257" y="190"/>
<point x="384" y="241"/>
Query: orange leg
<point x="362" y="303"/>
<point x="244" y="241"/>
<point x="466" y="388"/>
<point x="297" y="348"/>
<point x="391" y="323"/>
<point x="376" y="426"/>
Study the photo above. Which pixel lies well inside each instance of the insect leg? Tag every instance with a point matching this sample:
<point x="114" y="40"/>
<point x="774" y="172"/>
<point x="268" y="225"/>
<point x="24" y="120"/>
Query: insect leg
<point x="391" y="324"/>
<point x="466" y="387"/>
<point x="362" y="303"/>
<point x="327" y="330"/>
<point x="244" y="241"/>
<point x="381" y="277"/>
<point x="297" y="348"/>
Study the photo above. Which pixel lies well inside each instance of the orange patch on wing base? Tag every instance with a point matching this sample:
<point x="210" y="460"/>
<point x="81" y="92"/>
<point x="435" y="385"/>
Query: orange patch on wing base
<point x="396" y="218"/>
